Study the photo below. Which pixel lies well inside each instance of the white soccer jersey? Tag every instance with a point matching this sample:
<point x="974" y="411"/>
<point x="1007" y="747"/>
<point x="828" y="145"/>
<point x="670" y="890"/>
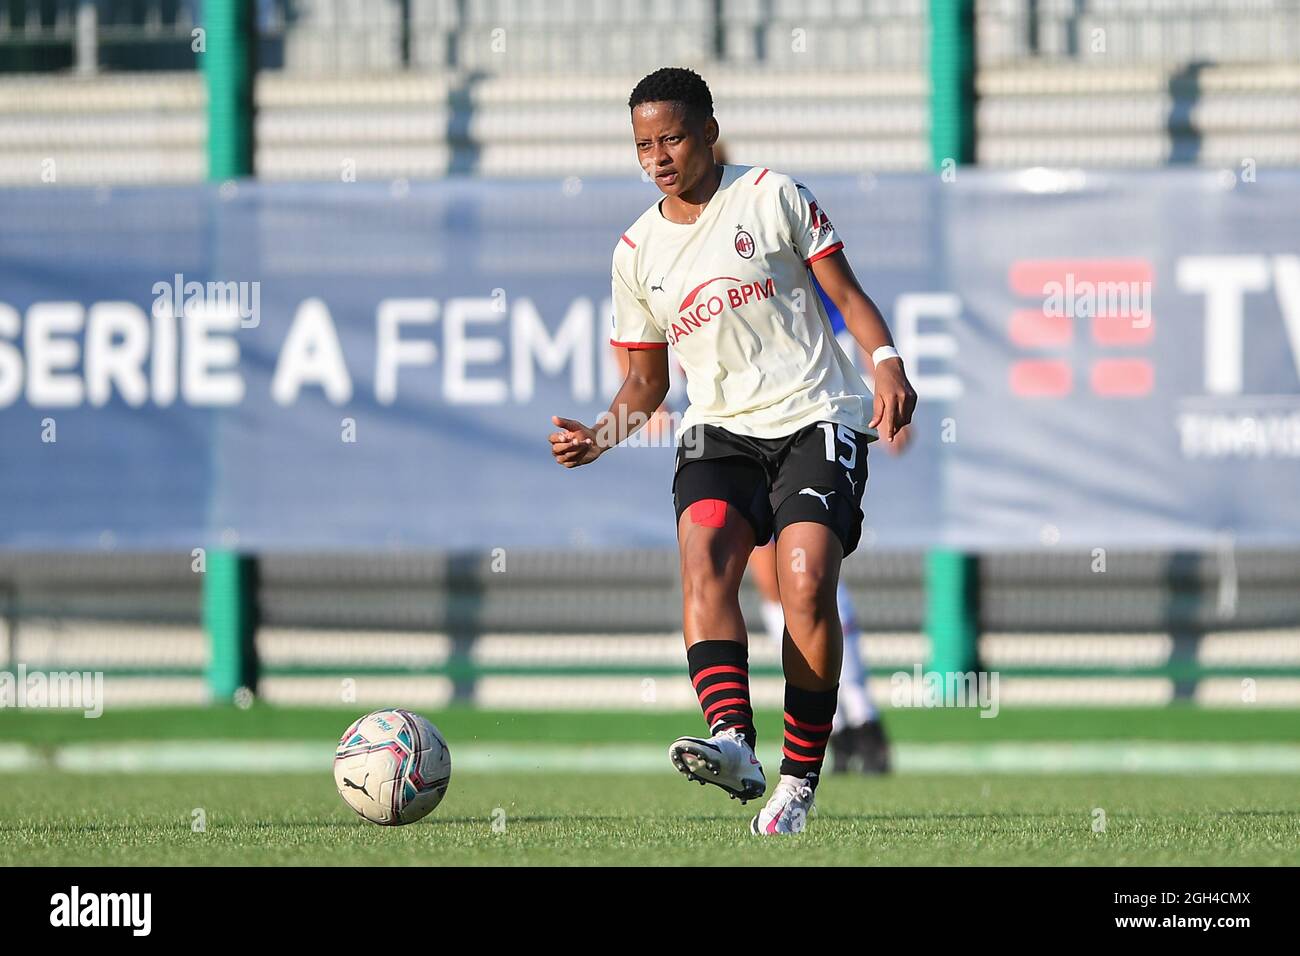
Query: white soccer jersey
<point x="733" y="294"/>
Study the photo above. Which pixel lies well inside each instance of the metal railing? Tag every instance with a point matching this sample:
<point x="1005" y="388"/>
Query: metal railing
<point x="92" y="36"/>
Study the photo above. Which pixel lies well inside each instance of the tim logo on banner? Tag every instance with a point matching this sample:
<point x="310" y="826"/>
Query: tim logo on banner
<point x="1104" y="301"/>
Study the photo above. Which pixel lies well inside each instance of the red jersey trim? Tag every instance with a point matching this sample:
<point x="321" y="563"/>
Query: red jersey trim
<point x="634" y="346"/>
<point x="824" y="253"/>
<point x="760" y="177"/>
<point x="628" y="241"/>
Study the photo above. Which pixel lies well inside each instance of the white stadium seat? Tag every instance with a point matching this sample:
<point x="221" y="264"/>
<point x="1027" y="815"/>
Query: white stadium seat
<point x="826" y="85"/>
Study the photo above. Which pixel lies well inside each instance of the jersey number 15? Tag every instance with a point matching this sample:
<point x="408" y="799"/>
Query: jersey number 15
<point x="847" y="436"/>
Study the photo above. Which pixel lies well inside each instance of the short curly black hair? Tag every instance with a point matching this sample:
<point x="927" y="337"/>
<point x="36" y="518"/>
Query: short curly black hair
<point x="673" y="84"/>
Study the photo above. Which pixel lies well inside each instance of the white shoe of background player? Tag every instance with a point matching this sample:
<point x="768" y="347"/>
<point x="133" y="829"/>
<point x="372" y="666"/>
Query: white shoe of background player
<point x="788" y="808"/>
<point x="725" y="760"/>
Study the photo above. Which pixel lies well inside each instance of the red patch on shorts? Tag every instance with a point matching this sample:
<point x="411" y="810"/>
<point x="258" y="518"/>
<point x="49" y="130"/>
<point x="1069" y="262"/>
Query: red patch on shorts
<point x="709" y="513"/>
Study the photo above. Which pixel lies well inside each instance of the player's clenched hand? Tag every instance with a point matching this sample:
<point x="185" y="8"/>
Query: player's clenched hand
<point x="574" y="444"/>
<point x="895" y="399"/>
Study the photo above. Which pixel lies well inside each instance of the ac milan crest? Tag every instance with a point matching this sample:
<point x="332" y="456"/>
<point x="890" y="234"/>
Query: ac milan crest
<point x="744" y="244"/>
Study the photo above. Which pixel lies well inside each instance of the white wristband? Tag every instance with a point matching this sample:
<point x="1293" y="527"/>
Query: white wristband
<point x="882" y="353"/>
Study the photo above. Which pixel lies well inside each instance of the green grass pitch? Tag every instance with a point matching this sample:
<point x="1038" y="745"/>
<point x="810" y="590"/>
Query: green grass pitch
<point x="635" y="819"/>
<point x="49" y="817"/>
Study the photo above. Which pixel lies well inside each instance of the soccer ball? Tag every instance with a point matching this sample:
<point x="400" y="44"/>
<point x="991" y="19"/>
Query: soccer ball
<point x="392" y="767"/>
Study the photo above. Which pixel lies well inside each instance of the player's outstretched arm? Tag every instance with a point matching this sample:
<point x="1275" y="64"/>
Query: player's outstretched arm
<point x="895" y="398"/>
<point x="643" y="391"/>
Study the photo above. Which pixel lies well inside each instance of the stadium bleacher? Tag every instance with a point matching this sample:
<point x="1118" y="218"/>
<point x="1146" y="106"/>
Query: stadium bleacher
<point x="477" y="88"/>
<point x="1158" y="627"/>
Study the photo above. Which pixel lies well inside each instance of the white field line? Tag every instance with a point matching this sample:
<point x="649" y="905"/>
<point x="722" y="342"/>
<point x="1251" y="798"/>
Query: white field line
<point x="957" y="758"/>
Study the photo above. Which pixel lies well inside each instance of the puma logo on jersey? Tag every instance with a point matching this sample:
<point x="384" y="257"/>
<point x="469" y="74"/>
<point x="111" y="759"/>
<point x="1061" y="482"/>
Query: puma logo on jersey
<point x="660" y="286"/>
<point x="853" y="485"/>
<point x="823" y="498"/>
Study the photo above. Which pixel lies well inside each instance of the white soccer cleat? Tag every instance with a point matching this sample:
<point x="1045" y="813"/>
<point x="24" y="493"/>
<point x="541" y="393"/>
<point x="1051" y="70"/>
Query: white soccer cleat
<point x="725" y="760"/>
<point x="788" y="808"/>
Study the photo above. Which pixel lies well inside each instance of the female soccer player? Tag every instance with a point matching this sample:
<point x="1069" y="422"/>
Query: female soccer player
<point x="858" y="740"/>
<point x="775" y="439"/>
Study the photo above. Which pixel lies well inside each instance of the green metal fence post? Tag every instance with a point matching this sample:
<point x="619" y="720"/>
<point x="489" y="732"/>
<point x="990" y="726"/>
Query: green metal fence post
<point x="952" y="82"/>
<point x="228" y="68"/>
<point x="230" y="579"/>
<point x="952" y="577"/>
<point x="230" y="620"/>
<point x="952" y="610"/>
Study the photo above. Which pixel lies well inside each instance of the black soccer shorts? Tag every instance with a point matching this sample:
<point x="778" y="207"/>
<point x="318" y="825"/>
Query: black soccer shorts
<point x="817" y="474"/>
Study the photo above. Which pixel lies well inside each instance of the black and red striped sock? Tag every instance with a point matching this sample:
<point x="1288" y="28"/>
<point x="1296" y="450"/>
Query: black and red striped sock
<point x="720" y="673"/>
<point x="808" y="716"/>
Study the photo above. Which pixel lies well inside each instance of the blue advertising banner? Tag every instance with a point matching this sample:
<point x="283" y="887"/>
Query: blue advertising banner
<point x="1103" y="359"/>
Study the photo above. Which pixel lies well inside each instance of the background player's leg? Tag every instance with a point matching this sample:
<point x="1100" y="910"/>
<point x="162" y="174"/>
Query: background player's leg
<point x="859" y="732"/>
<point x="808" y="559"/>
<point x="763" y="563"/>
<point x="856" y="706"/>
<point x="851" y="713"/>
